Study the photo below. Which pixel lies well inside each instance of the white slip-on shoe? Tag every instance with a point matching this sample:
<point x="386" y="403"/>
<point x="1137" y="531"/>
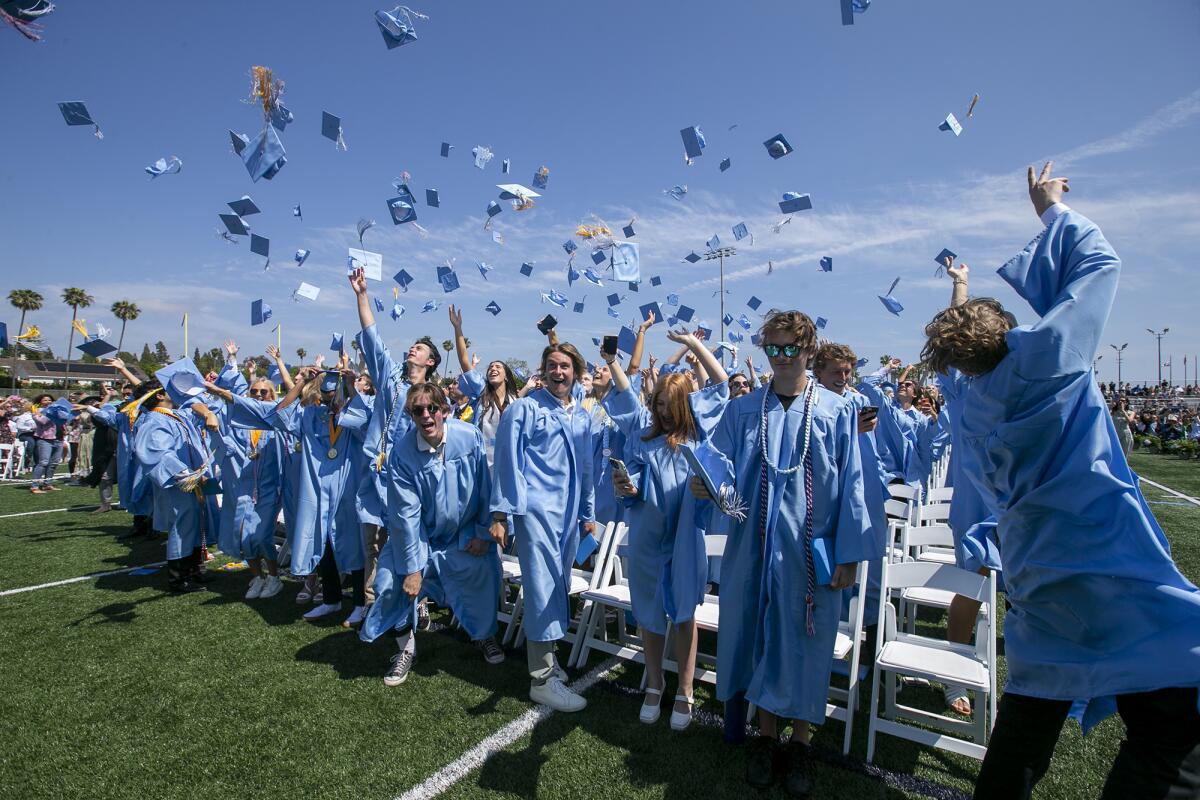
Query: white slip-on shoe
<point x="356" y="617"/>
<point x="254" y="591"/>
<point x="323" y="610"/>
<point x="649" y="714"/>
<point x="680" y="722"/>
<point x="555" y="694"/>
<point x="271" y="587"/>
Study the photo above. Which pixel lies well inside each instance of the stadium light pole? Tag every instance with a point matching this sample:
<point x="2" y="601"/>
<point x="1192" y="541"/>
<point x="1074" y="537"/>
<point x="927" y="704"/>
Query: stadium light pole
<point x="720" y="254"/>
<point x="1159" y="335"/>
<point x="1119" y="351"/>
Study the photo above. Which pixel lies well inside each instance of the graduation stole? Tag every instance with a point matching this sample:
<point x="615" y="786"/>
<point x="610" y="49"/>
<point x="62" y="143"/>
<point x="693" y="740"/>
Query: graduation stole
<point x="810" y="400"/>
<point x="387" y="423"/>
<point x="132" y="410"/>
<point x="198" y="491"/>
<point x="335" y="431"/>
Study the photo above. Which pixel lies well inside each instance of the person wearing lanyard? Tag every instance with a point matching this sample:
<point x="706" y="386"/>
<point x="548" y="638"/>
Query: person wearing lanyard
<point x="790" y="449"/>
<point x="439" y="545"/>
<point x="668" y="567"/>
<point x="489" y="394"/>
<point x="325" y="535"/>
<point x="171" y="447"/>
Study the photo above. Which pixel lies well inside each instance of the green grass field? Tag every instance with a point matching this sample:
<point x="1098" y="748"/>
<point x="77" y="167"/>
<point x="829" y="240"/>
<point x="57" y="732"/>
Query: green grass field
<point x="114" y="688"/>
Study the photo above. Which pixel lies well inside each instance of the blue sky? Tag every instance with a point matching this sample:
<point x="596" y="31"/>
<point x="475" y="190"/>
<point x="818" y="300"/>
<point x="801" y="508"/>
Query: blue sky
<point x="598" y="93"/>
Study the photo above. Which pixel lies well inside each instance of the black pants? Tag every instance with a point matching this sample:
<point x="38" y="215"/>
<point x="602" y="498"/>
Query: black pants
<point x="1159" y="756"/>
<point x="331" y="580"/>
<point x="72" y="456"/>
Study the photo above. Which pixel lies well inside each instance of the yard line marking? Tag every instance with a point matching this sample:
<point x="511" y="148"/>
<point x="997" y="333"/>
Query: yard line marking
<point x="48" y="511"/>
<point x="1170" y="491"/>
<point x="473" y="759"/>
<point x="81" y="578"/>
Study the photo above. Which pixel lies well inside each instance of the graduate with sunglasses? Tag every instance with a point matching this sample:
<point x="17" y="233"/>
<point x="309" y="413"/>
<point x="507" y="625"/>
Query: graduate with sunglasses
<point x="791" y="450"/>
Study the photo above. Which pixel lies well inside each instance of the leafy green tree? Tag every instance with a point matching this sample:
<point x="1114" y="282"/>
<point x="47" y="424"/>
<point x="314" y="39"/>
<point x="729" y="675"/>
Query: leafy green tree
<point x="76" y="298"/>
<point x="24" y="300"/>
<point x="126" y="312"/>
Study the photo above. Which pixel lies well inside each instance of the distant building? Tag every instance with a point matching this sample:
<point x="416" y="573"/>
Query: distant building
<point x="49" y="373"/>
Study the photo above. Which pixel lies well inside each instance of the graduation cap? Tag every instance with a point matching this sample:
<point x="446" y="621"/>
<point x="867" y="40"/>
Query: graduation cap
<point x="331" y="128"/>
<point x="693" y="142"/>
<point x="264" y="156"/>
<point x="430" y="305"/>
<point x="862" y="362"/>
<point x="403" y="207"/>
<point x="484" y="268"/>
<point x="280" y="116"/>
<point x="725" y="164"/>
<point x="493" y="208"/>
<point x="235" y="225"/>
<point x="515" y="191"/>
<point x="59" y="411"/>
<point x="626" y="339"/>
<point x="446" y="147"/>
<point x="337" y="343"/>
<point x="598" y="257"/>
<point x="431" y="198"/>
<point x="541" y="177"/>
<point x="556" y="297"/>
<point x="307" y="291"/>
<point x="505" y="166"/>
<point x="677" y="191"/>
<point x="691" y="257"/>
<point x="735" y="336"/>
<point x="447" y="278"/>
<point x="96" y="347"/>
<point x="396" y="26"/>
<point x="685" y="314"/>
<point x="570" y="246"/>
<point x="330" y="380"/>
<point x="740" y="231"/>
<point x="651" y="308"/>
<point x="378" y="305"/>
<point x="727" y="319"/>
<point x="547" y="324"/>
<point x="300" y="257"/>
<point x="403" y="278"/>
<point x="705" y="330"/>
<point x="628" y="231"/>
<point x="827" y="264"/>
<point x="714" y="242"/>
<point x="260" y="312"/>
<point x="397" y="311"/>
<point x="497" y="237"/>
<point x="612" y="312"/>
<point x="951" y="124"/>
<point x="243" y="207"/>
<point x="182" y="381"/>
<point x="578" y="308"/>
<point x="889" y="302"/>
<point x="633" y="286"/>
<point x="296" y="212"/>
<point x="239" y="141"/>
<point x="614" y="299"/>
<point x="794" y="201"/>
<point x="492" y="308"/>
<point x="940" y="259"/>
<point x="656" y="281"/>
<point x="591" y="277"/>
<point x="482" y="154"/>
<point x="754" y="303"/>
<point x="572" y="275"/>
<point x="852" y="7"/>
<point x="164" y="166"/>
<point x="821" y="323"/>
<point x="526" y="269"/>
<point x="672" y="299"/>
<point x="744" y="321"/>
<point x="626" y="261"/>
<point x="777" y="146"/>
<point x="76" y="113"/>
<point x="260" y="245"/>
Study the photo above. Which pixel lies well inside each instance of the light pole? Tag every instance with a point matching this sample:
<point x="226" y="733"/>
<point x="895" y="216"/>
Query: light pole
<point x="720" y="254"/>
<point x="1119" y="351"/>
<point x="1159" y="335"/>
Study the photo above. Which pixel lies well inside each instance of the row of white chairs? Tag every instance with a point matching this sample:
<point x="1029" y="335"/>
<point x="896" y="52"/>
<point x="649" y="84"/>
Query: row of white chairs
<point x="11" y="458"/>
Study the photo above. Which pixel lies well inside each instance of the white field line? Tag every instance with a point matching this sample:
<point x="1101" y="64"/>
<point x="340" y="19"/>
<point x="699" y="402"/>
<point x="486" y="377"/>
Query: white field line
<point x="473" y="759"/>
<point x="1170" y="491"/>
<point x="48" y="511"/>
<point x="81" y="578"/>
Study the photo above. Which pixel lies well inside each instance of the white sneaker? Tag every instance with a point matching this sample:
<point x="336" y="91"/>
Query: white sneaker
<point x="323" y="610"/>
<point x="555" y="694"/>
<point x="271" y="587"/>
<point x="256" y="587"/>
<point x="356" y="617"/>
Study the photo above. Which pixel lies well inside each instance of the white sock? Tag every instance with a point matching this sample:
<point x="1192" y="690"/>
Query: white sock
<point x="408" y="644"/>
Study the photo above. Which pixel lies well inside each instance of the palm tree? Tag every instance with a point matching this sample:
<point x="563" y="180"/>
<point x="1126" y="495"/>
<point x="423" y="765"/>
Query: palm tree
<point x="25" y="300"/>
<point x="76" y="298"/>
<point x="126" y="312"/>
<point x="300" y="351"/>
<point x="447" y="345"/>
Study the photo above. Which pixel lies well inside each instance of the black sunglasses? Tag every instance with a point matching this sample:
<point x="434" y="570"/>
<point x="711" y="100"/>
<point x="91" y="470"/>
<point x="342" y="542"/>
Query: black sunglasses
<point x="788" y="350"/>
<point x="421" y="410"/>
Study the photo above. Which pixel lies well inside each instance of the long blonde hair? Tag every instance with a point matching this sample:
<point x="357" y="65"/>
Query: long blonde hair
<point x="676" y="386"/>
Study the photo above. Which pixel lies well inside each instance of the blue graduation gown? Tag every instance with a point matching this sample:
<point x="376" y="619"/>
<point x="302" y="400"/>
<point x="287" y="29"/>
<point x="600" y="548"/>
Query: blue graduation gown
<point x="667" y="564"/>
<point x="966" y="505"/>
<point x="386" y="425"/>
<point x="1098" y="606"/>
<point x="168" y="444"/>
<point x="252" y="479"/>
<point x="542" y="478"/>
<point x="356" y="418"/>
<point x="438" y="503"/>
<point x="875" y="494"/>
<point x="324" y="513"/>
<point x="134" y="490"/>
<point x="892" y="439"/>
<point x="763" y="648"/>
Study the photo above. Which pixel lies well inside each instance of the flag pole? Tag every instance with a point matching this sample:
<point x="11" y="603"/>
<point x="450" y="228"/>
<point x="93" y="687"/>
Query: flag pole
<point x="185" y="338"/>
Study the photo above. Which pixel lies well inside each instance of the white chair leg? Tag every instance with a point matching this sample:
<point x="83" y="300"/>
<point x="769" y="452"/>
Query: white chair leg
<point x="585" y="614"/>
<point x="873" y="715"/>
<point x="510" y="633"/>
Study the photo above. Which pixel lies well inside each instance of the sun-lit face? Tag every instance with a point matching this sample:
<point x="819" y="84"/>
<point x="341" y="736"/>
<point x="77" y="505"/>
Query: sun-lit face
<point x="585" y="380"/>
<point x="558" y="375"/>
<point x="262" y="390"/>
<point x="430" y="420"/>
<point x="785" y="368"/>
<point x="420" y="355"/>
<point x="455" y="394"/>
<point x="602" y="378"/>
<point x="363" y="385"/>
<point x="739" y="385"/>
<point x="662" y="407"/>
<point x="495" y="373"/>
<point x="835" y="376"/>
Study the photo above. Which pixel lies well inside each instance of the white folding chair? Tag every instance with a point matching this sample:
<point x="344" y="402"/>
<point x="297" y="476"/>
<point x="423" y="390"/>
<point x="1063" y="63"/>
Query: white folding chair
<point x="847" y="647"/>
<point x="936" y="514"/>
<point x="510" y="577"/>
<point x="11" y="456"/>
<point x="940" y="494"/>
<point x="610" y="592"/>
<point x="906" y="654"/>
<point x="915" y="542"/>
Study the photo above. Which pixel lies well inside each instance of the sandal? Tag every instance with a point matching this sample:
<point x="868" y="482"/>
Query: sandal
<point x="650" y="714"/>
<point x="957" y="698"/>
<point x="680" y="722"/>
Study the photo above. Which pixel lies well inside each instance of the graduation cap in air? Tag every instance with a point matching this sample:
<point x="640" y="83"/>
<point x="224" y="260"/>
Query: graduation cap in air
<point x="260" y="245"/>
<point x="940" y="259"/>
<point x="578" y="307"/>
<point x="431" y="198"/>
<point x="570" y="246"/>
<point x="754" y="303"/>
<point x="777" y="146"/>
<point x="950" y="123"/>
<point x="59" y="411"/>
<point x="541" y="177"/>
<point x="794" y="201"/>
<point x="591" y="277"/>
<point x="235" y="225"/>
<point x="243" y="207"/>
<point x="628" y="231"/>
<point x="447" y="278"/>
<point x="693" y="142"/>
<point x="852" y="7"/>
<point x="239" y="141"/>
<point x="396" y="26"/>
<point x="492" y="308"/>
<point x="403" y="278"/>
<point x="403" y="207"/>
<point x="331" y="128"/>
<point x="378" y="305"/>
<point x="691" y="257"/>
<point x="482" y="154"/>
<point x="612" y="312"/>
<point x="484" y="268"/>
<point x="370" y="263"/>
<point x="182" y="381"/>
<point x="862" y="362"/>
<point x="505" y="166"/>
<point x="598" y="257"/>
<point x="280" y="116"/>
<point x="614" y="299"/>
<point x="446" y="148"/>
<point x="300" y="257"/>
<point x="515" y="191"/>
<point x="714" y="242"/>
<point x="821" y="323"/>
<point x="685" y="314"/>
<point x="430" y="305"/>
<point x="633" y="286"/>
<point x="626" y="339"/>
<point x="572" y="275"/>
<point x="740" y="231"/>
<point x="827" y="264"/>
<point x="672" y="299"/>
<point x="260" y="312"/>
<point x="397" y="310"/>
<point x="744" y="321"/>
<point x="164" y="166"/>
<point x="725" y="164"/>
<point x="626" y="261"/>
<point x="650" y="308"/>
<point x="735" y="336"/>
<point x="296" y="212"/>
<point x="337" y="342"/>
<point x="307" y="291"/>
<point x="727" y="319"/>
<point x="76" y="113"/>
<point x="556" y="297"/>
<point x="656" y="281"/>
<point x="264" y="156"/>
<point x="889" y="302"/>
<point x="493" y="208"/>
<point x="96" y="347"/>
<point x="526" y="269"/>
<point x="547" y="324"/>
<point x="677" y="191"/>
<point x="705" y="331"/>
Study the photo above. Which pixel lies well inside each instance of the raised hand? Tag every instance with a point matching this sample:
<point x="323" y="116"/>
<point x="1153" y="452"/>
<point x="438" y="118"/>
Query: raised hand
<point x="1044" y="190"/>
<point x="646" y="323"/>
<point x="306" y="374"/>
<point x="358" y="282"/>
<point x="474" y="360"/>
<point x="681" y="336"/>
<point x="455" y="317"/>
<point x="116" y="362"/>
<point x="231" y="348"/>
<point x="319" y="361"/>
<point x="273" y="351"/>
<point x="957" y="273"/>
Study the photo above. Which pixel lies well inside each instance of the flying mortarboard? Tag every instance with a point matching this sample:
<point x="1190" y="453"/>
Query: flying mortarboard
<point x="331" y="128"/>
<point x="307" y="291"/>
<point x="626" y="261"/>
<point x="403" y="207"/>
<point x="714" y="242"/>
<point x="260" y="245"/>
<point x="239" y="141"/>
<point x="300" y="257"/>
<point x="740" y="231"/>
<point x="677" y="191"/>
<point x="96" y="347"/>
<point x="526" y="269"/>
<point x="76" y="113"/>
<point x="493" y="208"/>
<point x="397" y="311"/>
<point x="446" y="147"/>
<point x="396" y="26"/>
<point x="693" y="142"/>
<point x="484" y="268"/>
<point x="590" y="276"/>
<point x="556" y="297"/>
<point x="59" y="411"/>
<point x="951" y="124"/>
<point x="264" y="156"/>
<point x="570" y="246"/>
<point x="827" y="264"/>
<point x="235" y="225"/>
<point x="243" y="207"/>
<point x="612" y="312"/>
<point x="744" y="321"/>
<point x="633" y="286"/>
<point x="821" y="323"/>
<point x="656" y="281"/>
<point x="430" y="305"/>
<point x="296" y="212"/>
<point x="626" y="339"/>
<point x="725" y="164"/>
<point x="727" y="319"/>
<point x="431" y="198"/>
<point x="691" y="257"/>
<point x="889" y="302"/>
<point x="337" y="343"/>
<point x="672" y="299"/>
<point x="280" y="116"/>
<point x="578" y="307"/>
<point x="497" y="237"/>
<point x="705" y="330"/>
<point x="735" y="336"/>
<point x="260" y="312"/>
<point x="754" y="303"/>
<point x="541" y="177"/>
<point x="515" y="191"/>
<point x="505" y="166"/>
<point x="652" y="307"/>
<point x="685" y="314"/>
<point x="777" y="146"/>
<point x="628" y="231"/>
<point x="793" y="202"/>
<point x="448" y="279"/>
<point x="614" y="299"/>
<point x="598" y="256"/>
<point x="403" y="278"/>
<point x="492" y="308"/>
<point x="547" y="324"/>
<point x="482" y="154"/>
<point x="164" y="166"/>
<point x="378" y="305"/>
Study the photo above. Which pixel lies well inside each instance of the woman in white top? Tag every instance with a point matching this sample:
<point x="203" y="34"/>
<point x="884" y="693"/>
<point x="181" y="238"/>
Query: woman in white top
<point x="489" y="394"/>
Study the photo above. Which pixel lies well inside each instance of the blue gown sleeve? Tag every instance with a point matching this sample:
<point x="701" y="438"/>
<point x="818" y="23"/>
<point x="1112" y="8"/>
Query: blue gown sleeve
<point x="1068" y="275"/>
<point x="626" y="411"/>
<point x="587" y="494"/>
<point x="251" y="414"/>
<point x="509" y="492"/>
<point x="404" y="524"/>
<point x="233" y="380"/>
<point x="379" y="361"/>
<point x="635" y="461"/>
<point x="106" y="415"/>
<point x="355" y="417"/>
<point x="708" y="406"/>
<point x="154" y="449"/>
<point x="855" y="539"/>
<point x="895" y="447"/>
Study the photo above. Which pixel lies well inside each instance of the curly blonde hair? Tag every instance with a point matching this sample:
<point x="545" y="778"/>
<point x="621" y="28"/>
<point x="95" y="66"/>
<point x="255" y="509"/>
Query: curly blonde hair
<point x="969" y="337"/>
<point x="796" y="324"/>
